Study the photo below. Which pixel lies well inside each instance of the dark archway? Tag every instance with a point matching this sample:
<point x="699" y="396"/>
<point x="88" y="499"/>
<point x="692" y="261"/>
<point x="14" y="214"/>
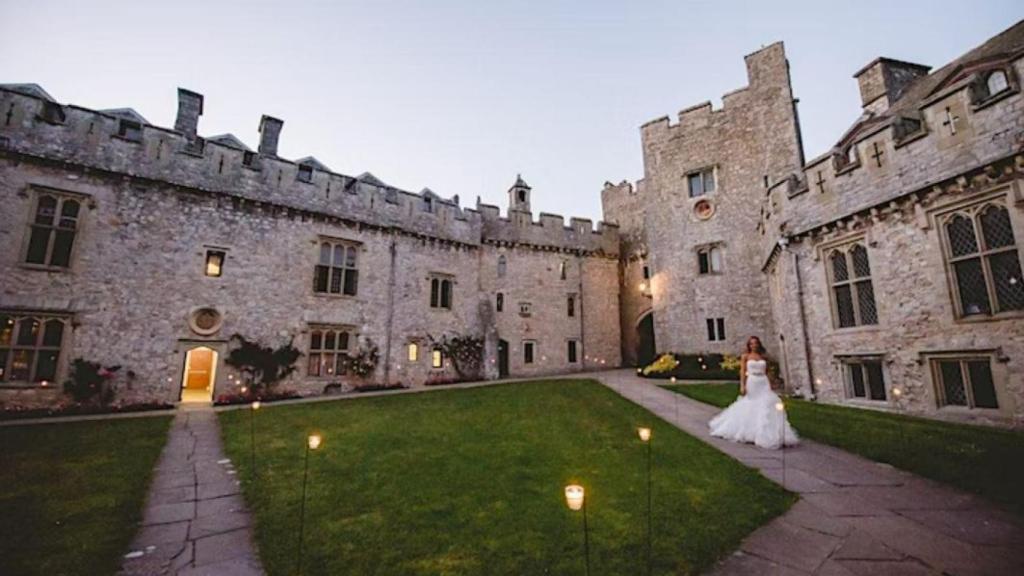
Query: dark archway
<point x="645" y="347"/>
<point x="502" y="359"/>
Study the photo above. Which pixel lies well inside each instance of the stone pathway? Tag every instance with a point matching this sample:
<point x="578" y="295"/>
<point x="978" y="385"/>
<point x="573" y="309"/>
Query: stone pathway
<point x="855" y="516"/>
<point x="195" y="521"/>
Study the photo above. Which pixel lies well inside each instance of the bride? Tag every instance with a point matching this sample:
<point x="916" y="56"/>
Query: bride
<point x="754" y="416"/>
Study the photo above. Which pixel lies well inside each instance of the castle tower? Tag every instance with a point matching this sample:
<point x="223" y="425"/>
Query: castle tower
<point x="519" y="195"/>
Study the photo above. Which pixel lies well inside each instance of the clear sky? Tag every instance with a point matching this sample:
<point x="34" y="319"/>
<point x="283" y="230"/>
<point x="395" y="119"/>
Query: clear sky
<point x="461" y="96"/>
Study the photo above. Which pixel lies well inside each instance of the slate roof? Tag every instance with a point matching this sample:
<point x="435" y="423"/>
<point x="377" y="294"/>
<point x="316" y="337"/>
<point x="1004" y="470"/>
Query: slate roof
<point x="229" y="140"/>
<point x="30" y="89"/>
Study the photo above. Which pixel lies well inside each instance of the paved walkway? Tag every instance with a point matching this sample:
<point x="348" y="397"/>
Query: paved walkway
<point x="855" y="516"/>
<point x="195" y="522"/>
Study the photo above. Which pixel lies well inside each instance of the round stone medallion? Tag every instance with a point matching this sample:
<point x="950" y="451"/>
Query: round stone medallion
<point x="205" y="321"/>
<point x="704" y="209"/>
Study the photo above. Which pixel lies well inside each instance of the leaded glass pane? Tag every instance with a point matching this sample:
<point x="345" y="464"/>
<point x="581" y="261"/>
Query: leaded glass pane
<point x="326" y="364"/>
<point x="696" y="185"/>
<point x="46" y="210"/>
<point x="502" y="266"/>
<point x="1009" y="284"/>
<point x="21" y="364"/>
<point x="876" y="381"/>
<point x="840" y="272"/>
<point x="351" y="281"/>
<point x="716" y="260"/>
<point x="336" y="280"/>
<point x="971" y="283"/>
<point x="37" y="244"/>
<point x="844" y="306"/>
<point x="339" y="255"/>
<point x="350" y="257"/>
<point x="857" y="380"/>
<point x="861" y="266"/>
<point x="982" y="387"/>
<point x="320" y="278"/>
<point x="341" y="364"/>
<point x="6" y="330"/>
<point x="435" y="291"/>
<point x="952" y="383"/>
<point x="703" y="265"/>
<point x="46" y="365"/>
<point x="52" y="333"/>
<point x="962" y="240"/>
<point x="996" y="228"/>
<point x="325" y="254"/>
<point x="315" y="340"/>
<point x="314" y="365"/>
<point x="61" y="255"/>
<point x="28" y="330"/>
<point x="866" y="302"/>
<point x="343" y="341"/>
<point x="329" y="340"/>
<point x="69" y="214"/>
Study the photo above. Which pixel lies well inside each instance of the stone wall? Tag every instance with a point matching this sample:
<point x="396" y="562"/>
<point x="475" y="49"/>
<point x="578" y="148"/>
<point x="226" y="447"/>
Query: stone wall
<point x="750" y="143"/>
<point x="153" y="208"/>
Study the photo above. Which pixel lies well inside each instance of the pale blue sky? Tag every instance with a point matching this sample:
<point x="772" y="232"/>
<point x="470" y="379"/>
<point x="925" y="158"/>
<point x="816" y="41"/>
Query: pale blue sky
<point x="460" y="96"/>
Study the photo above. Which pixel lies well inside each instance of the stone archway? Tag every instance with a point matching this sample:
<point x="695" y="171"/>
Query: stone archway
<point x="646" y="348"/>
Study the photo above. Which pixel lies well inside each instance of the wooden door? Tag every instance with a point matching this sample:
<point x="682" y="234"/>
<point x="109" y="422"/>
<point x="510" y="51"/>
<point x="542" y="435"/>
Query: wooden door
<point x="199" y="369"/>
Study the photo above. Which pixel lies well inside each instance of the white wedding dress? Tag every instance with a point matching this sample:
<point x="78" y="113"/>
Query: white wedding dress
<point x="754" y="417"/>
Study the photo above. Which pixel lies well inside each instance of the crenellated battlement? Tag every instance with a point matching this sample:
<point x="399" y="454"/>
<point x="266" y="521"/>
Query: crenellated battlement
<point x="116" y="143"/>
<point x="548" y="232"/>
<point x="123" y="142"/>
<point x="767" y="69"/>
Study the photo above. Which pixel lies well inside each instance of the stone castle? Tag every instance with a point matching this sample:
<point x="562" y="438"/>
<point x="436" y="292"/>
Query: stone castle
<point x="885" y="273"/>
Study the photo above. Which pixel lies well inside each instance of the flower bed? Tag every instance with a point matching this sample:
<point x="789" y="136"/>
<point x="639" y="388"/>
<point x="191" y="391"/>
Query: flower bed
<point x="247" y="397"/>
<point x="80" y="410"/>
<point x="692" y="367"/>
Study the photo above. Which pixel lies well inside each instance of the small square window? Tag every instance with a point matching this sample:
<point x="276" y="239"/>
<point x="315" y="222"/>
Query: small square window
<point x="525" y="309"/>
<point x="215" y="263"/>
<point x="701" y="183"/>
<point x="305" y="173"/>
<point x="965" y="382"/>
<point x="865" y="379"/>
<point x="716" y="329"/>
<point x="130" y="130"/>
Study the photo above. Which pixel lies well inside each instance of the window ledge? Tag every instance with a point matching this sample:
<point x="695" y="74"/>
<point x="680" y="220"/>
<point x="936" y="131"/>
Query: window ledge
<point x="981" y="318"/>
<point x="43" y="267"/>
<point x="335" y="296"/>
<point x="994" y="98"/>
<point x="126" y="139"/>
<point x="855" y="329"/>
<point x="27" y="386"/>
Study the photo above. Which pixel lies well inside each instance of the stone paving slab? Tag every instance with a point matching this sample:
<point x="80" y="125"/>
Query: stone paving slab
<point x="855" y="517"/>
<point x="195" y="521"/>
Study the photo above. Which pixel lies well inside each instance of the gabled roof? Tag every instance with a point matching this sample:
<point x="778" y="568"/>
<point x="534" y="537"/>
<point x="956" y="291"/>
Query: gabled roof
<point x="30" y="90"/>
<point x="1006" y="45"/>
<point x="229" y="140"/>
<point x="126" y="113"/>
<point x="310" y="161"/>
<point x="370" y="179"/>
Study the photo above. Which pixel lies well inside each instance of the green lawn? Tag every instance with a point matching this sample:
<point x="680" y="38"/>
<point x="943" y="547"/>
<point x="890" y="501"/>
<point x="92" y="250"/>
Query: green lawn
<point x="471" y="482"/>
<point x="987" y="461"/>
<point x="71" y="494"/>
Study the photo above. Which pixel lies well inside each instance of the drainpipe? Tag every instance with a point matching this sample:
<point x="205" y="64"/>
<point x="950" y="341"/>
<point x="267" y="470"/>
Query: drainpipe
<point x="391" y="311"/>
<point x="784" y="244"/>
<point x="581" y="357"/>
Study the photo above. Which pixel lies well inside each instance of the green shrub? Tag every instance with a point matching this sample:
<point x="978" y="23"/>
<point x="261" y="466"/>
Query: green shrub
<point x="694" y="367"/>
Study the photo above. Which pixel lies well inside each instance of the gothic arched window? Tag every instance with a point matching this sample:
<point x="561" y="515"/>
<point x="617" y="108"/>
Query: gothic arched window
<point x="985" y="266"/>
<point x="53" y="231"/>
<point x="853" y="294"/>
<point x="502" y="266"/>
<point x="499" y="302"/>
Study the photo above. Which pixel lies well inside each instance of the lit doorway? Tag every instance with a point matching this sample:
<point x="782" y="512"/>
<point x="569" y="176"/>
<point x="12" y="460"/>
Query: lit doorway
<point x="199" y="375"/>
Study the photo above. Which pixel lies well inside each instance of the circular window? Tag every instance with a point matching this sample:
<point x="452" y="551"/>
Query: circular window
<point x="205" y="321"/>
<point x="704" y="209"/>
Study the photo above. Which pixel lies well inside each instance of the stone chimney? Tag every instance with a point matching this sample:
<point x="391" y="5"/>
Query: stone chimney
<point x="190" y="108"/>
<point x="270" y="131"/>
<point x="884" y="80"/>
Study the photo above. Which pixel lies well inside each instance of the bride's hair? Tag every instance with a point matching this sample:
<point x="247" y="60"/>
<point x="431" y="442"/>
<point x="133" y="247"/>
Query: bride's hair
<point x="760" y="347"/>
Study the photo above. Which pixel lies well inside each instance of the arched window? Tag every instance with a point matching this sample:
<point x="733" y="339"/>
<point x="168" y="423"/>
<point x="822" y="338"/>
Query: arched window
<point x="561" y="269"/>
<point x="53" y="231"/>
<point x="441" y="293"/>
<point x="502" y="266"/>
<point x="853" y="294"/>
<point x="985" y="267"/>
<point x="996" y="82"/>
<point x="499" y="302"/>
